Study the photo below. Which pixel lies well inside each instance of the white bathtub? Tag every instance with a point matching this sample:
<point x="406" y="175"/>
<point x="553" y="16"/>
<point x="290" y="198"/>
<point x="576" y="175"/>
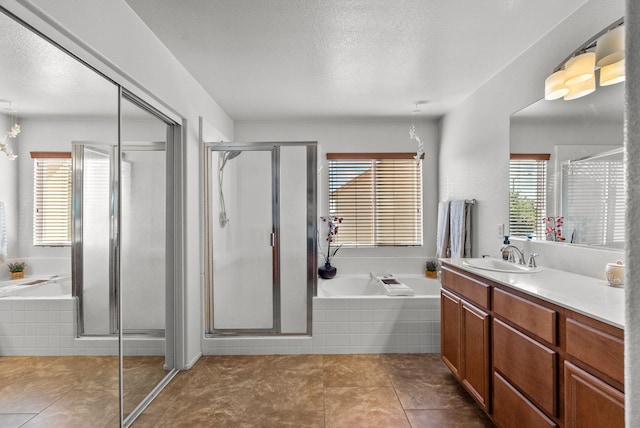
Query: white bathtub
<point x="365" y="286"/>
<point x="353" y="315"/>
<point x="37" y="287"/>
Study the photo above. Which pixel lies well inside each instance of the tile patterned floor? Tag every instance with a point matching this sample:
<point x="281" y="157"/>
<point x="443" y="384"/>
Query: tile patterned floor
<point x="70" y="392"/>
<point x="390" y="390"/>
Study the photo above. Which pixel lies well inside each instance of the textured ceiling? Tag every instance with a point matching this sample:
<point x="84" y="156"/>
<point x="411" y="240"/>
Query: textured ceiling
<point x="292" y="59"/>
<point x="41" y="80"/>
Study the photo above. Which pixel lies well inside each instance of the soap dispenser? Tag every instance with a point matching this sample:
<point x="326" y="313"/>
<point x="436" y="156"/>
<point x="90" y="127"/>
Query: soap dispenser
<point x="505" y="251"/>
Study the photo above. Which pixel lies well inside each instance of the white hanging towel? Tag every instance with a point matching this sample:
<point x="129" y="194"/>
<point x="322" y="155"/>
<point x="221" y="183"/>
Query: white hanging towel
<point x="460" y="229"/>
<point x="442" y="233"/>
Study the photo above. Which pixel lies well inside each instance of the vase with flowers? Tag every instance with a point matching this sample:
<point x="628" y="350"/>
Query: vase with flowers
<point x="553" y="229"/>
<point x="327" y="271"/>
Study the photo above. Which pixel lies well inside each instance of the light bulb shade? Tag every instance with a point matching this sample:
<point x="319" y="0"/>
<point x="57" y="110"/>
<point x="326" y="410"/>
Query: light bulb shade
<point x="554" y="86"/>
<point x="580" y="68"/>
<point x="612" y="73"/>
<point x="610" y="47"/>
<point x="581" y="89"/>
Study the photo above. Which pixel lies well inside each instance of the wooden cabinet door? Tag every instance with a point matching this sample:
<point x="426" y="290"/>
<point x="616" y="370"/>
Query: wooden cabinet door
<point x="475" y="365"/>
<point x="450" y="331"/>
<point x="589" y="402"/>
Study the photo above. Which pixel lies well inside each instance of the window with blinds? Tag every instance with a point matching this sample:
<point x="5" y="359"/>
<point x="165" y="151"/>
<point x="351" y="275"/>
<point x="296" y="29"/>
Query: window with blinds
<point x="528" y="195"/>
<point x="51" y="198"/>
<point x="379" y="197"/>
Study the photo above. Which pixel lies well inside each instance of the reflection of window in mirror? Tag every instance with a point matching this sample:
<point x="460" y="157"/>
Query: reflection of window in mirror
<point x="379" y="196"/>
<point x="51" y="198"/>
<point x="528" y="194"/>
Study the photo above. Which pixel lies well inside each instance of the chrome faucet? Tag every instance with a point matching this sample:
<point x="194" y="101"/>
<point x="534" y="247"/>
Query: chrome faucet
<point x="512" y="259"/>
<point x="532" y="260"/>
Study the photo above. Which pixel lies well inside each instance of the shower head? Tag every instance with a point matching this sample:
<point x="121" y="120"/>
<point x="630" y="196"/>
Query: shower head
<point x="228" y="155"/>
<point x="232" y="154"/>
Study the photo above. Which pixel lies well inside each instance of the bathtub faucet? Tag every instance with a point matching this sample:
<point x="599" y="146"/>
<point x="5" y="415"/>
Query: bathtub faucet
<point x="511" y="249"/>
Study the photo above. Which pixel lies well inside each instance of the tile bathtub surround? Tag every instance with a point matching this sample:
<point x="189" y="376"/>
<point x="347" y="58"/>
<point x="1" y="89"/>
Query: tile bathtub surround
<point x="351" y="326"/>
<point x="399" y="390"/>
<point x="46" y="327"/>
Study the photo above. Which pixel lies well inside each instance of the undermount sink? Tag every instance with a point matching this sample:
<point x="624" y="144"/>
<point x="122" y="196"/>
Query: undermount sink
<point x="498" y="265"/>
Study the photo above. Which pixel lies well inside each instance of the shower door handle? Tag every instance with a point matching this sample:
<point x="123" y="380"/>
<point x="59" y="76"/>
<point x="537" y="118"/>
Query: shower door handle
<point x="272" y="239"/>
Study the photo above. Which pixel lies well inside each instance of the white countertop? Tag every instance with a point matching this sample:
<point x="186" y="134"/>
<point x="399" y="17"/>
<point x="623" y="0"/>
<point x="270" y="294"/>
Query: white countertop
<point x="583" y="294"/>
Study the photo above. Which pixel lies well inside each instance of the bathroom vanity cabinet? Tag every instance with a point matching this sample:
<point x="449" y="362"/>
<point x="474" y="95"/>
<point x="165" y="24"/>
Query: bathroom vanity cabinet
<point x="529" y="362"/>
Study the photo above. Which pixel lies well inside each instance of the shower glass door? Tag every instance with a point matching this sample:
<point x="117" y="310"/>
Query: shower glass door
<point x="245" y="230"/>
<point x="260" y="237"/>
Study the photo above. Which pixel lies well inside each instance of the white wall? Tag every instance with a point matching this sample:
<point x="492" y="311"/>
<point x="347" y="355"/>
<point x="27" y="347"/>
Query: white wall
<point x="390" y="135"/>
<point x="112" y="38"/>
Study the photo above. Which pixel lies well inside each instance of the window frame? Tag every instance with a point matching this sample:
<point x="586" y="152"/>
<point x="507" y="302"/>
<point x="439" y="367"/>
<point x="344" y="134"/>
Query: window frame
<point x="383" y="230"/>
<point x="46" y="233"/>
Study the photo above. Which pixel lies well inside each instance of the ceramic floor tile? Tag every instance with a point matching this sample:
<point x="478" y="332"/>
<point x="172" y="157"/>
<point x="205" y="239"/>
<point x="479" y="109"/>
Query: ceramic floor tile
<point x="355" y="370"/>
<point x="239" y="391"/>
<point x="78" y="409"/>
<point x="11" y="420"/>
<point x="288" y="390"/>
<point x="363" y="407"/>
<point x="450" y="418"/>
<point x="430" y="392"/>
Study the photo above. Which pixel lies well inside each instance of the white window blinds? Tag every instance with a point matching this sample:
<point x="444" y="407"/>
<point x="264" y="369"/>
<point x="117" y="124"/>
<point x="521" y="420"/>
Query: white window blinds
<point x="51" y="198"/>
<point x="528" y="195"/>
<point x="379" y="197"/>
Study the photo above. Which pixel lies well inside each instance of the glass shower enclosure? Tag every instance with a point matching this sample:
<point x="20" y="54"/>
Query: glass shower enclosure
<point x="260" y="237"/>
<point x="142" y="246"/>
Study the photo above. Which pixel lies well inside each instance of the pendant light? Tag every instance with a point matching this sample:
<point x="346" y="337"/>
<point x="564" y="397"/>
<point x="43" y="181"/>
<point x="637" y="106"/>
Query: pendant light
<point x="612" y="73"/>
<point x="554" y="86"/>
<point x="581" y="89"/>
<point x="610" y="47"/>
<point x="580" y="68"/>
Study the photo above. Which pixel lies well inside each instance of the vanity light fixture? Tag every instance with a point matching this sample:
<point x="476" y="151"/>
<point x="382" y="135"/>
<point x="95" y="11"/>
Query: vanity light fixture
<point x="576" y="77"/>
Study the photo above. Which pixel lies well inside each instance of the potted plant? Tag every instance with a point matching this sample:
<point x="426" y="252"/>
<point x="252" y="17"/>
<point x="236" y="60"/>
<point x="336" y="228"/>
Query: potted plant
<point x="327" y="271"/>
<point x="431" y="269"/>
<point x="16" y="269"/>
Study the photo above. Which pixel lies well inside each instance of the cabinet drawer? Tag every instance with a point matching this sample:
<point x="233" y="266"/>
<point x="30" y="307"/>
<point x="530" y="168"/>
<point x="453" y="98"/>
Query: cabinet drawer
<point x="596" y="348"/>
<point x="529" y="365"/>
<point x="469" y="288"/>
<point x="532" y="317"/>
<point x="589" y="402"/>
<point x="512" y="409"/>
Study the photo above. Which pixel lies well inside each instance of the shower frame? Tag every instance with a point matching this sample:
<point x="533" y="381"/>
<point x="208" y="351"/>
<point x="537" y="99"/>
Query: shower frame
<point x="311" y="225"/>
<point x="111" y="150"/>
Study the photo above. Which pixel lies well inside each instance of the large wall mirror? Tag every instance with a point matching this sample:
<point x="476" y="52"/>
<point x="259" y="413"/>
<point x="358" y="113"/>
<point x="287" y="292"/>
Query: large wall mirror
<point x="85" y="336"/>
<point x="584" y="176"/>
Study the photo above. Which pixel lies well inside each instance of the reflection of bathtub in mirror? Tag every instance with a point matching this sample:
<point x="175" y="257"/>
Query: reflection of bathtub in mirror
<point x="53" y="287"/>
